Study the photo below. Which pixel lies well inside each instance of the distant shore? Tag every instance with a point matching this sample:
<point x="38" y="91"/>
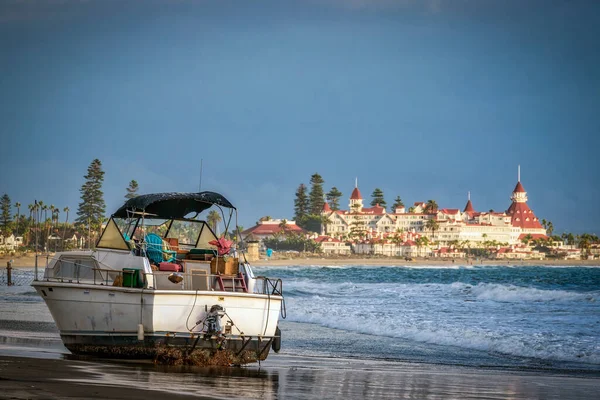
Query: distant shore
<point x="382" y="261"/>
<point x="24" y="261"/>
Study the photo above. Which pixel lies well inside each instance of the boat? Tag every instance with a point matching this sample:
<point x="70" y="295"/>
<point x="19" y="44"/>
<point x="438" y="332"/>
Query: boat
<point x="161" y="284"/>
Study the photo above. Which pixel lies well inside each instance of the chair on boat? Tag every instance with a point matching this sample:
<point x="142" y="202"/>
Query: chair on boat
<point x="155" y="249"/>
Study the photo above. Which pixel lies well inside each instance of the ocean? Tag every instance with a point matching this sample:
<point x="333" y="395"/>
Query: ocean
<point x="500" y="317"/>
<point x="382" y="332"/>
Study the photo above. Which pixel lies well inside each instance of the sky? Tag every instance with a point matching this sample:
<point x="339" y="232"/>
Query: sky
<point x="423" y="99"/>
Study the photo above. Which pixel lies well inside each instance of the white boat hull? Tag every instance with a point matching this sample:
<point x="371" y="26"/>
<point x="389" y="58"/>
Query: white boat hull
<point x="98" y="319"/>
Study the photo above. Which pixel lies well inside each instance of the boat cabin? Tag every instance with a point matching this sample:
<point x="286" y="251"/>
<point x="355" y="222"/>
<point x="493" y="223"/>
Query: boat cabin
<point x="157" y="241"/>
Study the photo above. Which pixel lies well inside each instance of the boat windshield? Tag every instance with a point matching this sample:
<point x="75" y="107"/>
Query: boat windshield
<point x="186" y="232"/>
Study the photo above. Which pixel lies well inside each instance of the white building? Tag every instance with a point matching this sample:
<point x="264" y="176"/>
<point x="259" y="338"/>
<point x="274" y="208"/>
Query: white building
<point x="10" y="242"/>
<point x="331" y="245"/>
<point x="469" y="227"/>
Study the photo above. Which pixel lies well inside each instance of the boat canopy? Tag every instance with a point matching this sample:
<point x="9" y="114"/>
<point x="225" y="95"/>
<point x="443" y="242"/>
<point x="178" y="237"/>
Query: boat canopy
<point x="171" y="205"/>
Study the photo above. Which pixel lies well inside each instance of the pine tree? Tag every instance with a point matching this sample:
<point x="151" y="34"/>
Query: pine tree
<point x="377" y="197"/>
<point x="92" y="207"/>
<point x="5" y="206"/>
<point x="317" y="199"/>
<point x="333" y="198"/>
<point x="301" y="203"/>
<point x="397" y="203"/>
<point x="132" y="189"/>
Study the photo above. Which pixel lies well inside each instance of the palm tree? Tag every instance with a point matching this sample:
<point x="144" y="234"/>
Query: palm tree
<point x="283" y="226"/>
<point x="431" y="207"/>
<point x="432" y="225"/>
<point x="550" y="228"/>
<point x="584" y="245"/>
<point x="44" y="209"/>
<point x="422" y="241"/>
<point x="213" y="219"/>
<point x="18" y="205"/>
<point x="55" y="216"/>
<point x="527" y="239"/>
<point x="66" y="210"/>
<point x="396" y="239"/>
<point x="52" y="208"/>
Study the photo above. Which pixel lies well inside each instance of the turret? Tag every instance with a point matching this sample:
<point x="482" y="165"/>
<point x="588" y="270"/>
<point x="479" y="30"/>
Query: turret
<point x="356" y="200"/>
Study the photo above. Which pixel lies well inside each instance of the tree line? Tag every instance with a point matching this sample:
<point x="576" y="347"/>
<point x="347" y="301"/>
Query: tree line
<point x="308" y="203"/>
<point x="43" y="221"/>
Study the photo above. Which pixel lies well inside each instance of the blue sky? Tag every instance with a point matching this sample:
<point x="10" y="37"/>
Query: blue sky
<point x="423" y="99"/>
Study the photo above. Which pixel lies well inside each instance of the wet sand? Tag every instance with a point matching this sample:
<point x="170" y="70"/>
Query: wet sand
<point x="281" y="377"/>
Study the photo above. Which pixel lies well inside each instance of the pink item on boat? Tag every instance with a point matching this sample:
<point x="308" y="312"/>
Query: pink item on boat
<point x="223" y="245"/>
<point x="167" y="266"/>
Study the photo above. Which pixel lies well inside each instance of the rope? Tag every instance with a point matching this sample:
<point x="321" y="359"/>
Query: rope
<point x="190" y="314"/>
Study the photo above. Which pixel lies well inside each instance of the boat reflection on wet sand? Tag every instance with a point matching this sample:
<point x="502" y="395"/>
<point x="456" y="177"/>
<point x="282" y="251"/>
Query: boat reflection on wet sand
<point x="281" y="377"/>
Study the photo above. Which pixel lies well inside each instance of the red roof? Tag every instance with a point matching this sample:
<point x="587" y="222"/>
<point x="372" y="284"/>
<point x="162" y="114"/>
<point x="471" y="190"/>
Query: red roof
<point x="270" y="229"/>
<point x="373" y="210"/>
<point x="355" y="194"/>
<point x="522" y="216"/>
<point x="321" y="239"/>
<point x="533" y="236"/>
<point x="469" y="207"/>
<point x="451" y="211"/>
<point x="326" y="207"/>
<point x="519" y="188"/>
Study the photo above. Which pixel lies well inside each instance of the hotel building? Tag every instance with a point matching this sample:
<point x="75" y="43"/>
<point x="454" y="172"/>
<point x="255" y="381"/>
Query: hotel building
<point x="359" y="223"/>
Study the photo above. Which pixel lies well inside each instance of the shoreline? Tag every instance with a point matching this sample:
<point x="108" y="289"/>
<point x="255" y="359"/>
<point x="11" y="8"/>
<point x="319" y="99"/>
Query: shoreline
<point x="283" y="377"/>
<point x="420" y="262"/>
<point x="28" y="261"/>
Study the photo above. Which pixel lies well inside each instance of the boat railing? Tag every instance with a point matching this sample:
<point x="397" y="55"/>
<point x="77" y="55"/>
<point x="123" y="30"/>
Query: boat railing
<point x="71" y="271"/>
<point x="270" y="286"/>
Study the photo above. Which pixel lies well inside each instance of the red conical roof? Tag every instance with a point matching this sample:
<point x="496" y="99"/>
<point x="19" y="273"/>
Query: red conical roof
<point x="326" y="207"/>
<point x="469" y="207"/>
<point x="519" y="188"/>
<point x="522" y="216"/>
<point x="355" y="194"/>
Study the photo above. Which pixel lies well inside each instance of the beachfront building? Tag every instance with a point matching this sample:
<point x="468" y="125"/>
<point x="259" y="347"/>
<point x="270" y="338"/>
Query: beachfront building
<point x="469" y="228"/>
<point x="448" y="252"/>
<point x="391" y="247"/>
<point x="333" y="246"/>
<point x="10" y="242"/>
<point x="270" y="227"/>
<point x="518" y="252"/>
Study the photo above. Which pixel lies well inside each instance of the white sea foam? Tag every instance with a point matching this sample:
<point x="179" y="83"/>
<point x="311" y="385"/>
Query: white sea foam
<point x="440" y="333"/>
<point x="497" y="318"/>
<point x="512" y="293"/>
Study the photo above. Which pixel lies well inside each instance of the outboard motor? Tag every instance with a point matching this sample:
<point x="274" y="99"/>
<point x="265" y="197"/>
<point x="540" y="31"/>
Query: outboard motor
<point x="212" y="322"/>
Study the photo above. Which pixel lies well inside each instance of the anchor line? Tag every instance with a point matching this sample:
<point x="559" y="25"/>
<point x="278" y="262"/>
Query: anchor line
<point x="190" y="314"/>
<point x="268" y="312"/>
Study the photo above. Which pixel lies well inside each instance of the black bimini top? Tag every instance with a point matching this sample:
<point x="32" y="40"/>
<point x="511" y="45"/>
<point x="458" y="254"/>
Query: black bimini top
<point x="171" y="205"/>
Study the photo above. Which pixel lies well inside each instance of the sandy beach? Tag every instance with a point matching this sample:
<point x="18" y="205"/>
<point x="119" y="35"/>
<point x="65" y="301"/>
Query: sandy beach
<point x="29" y="261"/>
<point x="281" y="377"/>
